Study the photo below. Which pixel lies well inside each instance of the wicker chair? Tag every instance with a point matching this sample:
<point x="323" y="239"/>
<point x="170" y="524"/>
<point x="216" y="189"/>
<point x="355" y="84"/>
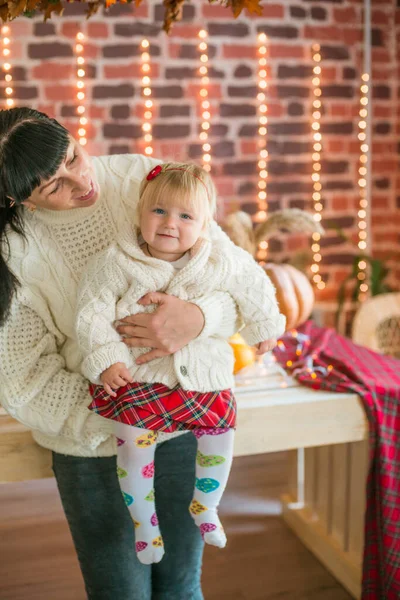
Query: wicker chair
<point x="377" y="324"/>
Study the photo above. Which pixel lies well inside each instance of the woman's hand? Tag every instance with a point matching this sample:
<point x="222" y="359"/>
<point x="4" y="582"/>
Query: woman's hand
<point x="174" y="324"/>
<point x="115" y="377"/>
<point x="265" y="346"/>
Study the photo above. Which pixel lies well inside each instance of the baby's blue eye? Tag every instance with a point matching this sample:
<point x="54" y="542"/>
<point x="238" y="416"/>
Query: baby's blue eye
<point x="185" y="216"/>
<point x="159" y="211"/>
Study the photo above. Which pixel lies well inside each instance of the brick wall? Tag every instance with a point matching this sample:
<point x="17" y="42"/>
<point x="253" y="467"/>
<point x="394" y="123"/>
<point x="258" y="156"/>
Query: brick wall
<point x="44" y="66"/>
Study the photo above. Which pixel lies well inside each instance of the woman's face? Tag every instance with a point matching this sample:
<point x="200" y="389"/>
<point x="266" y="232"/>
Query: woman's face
<point x="72" y="186"/>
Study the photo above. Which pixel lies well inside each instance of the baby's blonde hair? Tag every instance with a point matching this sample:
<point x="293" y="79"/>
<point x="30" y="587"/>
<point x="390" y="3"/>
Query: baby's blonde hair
<point x="186" y="183"/>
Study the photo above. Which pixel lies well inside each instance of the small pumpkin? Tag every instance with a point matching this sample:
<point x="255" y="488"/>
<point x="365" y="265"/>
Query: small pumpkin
<point x="243" y="353"/>
<point x="294" y="293"/>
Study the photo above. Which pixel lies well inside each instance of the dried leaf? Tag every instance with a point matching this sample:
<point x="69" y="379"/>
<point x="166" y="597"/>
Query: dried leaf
<point x="173" y="13"/>
<point x="10" y="9"/>
<point x="16" y="8"/>
<point x="4" y="12"/>
<point x="93" y="7"/>
<point x="52" y="7"/>
<point x="31" y="5"/>
<point x="253" y="6"/>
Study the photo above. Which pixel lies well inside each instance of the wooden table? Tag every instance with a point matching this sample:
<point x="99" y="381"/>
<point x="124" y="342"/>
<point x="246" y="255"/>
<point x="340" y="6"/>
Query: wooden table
<point x="327" y="433"/>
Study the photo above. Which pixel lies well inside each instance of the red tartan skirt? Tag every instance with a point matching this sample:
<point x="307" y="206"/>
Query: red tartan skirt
<point x="156" y="407"/>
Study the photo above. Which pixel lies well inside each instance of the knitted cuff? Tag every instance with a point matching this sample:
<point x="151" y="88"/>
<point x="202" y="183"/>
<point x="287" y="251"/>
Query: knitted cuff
<point x="102" y="358"/>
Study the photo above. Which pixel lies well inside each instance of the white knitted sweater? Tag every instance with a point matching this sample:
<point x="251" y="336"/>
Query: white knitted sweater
<point x="40" y="363"/>
<point x="117" y="278"/>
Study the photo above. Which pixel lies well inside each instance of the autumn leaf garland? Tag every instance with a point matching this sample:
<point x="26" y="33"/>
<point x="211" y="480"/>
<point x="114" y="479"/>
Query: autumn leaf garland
<point x="10" y="9"/>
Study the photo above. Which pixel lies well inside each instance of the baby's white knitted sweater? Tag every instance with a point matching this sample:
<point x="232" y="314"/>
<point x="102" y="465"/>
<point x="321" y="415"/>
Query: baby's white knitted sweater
<point x="116" y="279"/>
<point x="40" y="362"/>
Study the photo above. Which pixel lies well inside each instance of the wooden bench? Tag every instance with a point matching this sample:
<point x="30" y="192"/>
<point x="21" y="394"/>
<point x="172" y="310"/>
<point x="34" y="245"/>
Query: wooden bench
<point x="324" y="431"/>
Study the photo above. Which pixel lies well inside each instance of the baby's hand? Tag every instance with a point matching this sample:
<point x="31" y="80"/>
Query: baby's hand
<point x="264" y="347"/>
<point x="115" y="377"/>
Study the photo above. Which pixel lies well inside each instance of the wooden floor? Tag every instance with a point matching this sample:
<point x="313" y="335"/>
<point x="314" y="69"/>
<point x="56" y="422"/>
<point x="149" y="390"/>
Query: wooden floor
<point x="263" y="559"/>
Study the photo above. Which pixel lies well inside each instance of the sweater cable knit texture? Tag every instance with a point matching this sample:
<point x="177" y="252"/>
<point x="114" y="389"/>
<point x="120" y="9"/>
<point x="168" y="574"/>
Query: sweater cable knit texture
<point x="41" y="384"/>
<point x="116" y="279"/>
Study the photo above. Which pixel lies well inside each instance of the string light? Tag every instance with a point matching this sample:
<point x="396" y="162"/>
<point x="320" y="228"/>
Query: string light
<point x="147" y="126"/>
<point x="316" y="165"/>
<point x="80" y="87"/>
<point x="204" y="100"/>
<point x="5" y="30"/>
<point x="261" y="214"/>
<point x="362" y="184"/>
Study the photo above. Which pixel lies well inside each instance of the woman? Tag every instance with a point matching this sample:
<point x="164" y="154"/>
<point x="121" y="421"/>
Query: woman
<point x="57" y="209"/>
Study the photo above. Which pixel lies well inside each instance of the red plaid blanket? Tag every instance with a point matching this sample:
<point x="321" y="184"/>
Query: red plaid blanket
<point x="156" y="407"/>
<point x="326" y="360"/>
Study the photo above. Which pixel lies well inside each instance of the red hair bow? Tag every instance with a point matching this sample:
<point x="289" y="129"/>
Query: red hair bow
<point x="154" y="172"/>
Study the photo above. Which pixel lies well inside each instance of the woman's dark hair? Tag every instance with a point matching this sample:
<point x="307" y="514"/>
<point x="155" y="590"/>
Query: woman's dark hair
<point x="32" y="147"/>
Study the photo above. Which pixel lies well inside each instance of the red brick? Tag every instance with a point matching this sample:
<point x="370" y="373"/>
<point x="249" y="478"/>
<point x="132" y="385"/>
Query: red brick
<point x="379" y="73"/>
<point x="65" y="93"/>
<point x="386" y="165"/>
<point x="346" y="15"/>
<point x="169" y="150"/>
<point x="383" y="148"/>
<point x="384" y="112"/>
<point x="48" y="109"/>
<point x="70" y="29"/>
<point x="352" y="36"/>
<point x="322" y="32"/>
<point x="122" y="71"/>
<point x="239" y="51"/>
<point x="381" y="55"/>
<point x="285" y="51"/>
<point x="98" y="30"/>
<point x="97" y="148"/>
<point x="270" y="11"/>
<point x="340" y="110"/>
<point x="96" y="112"/>
<point x="334" y="145"/>
<point x="174" y="50"/>
<point x="379" y="17"/>
<point x="21" y="28"/>
<point x="141" y="11"/>
<point x="386" y="238"/>
<point x="328" y="74"/>
<point x="51" y="70"/>
<point x="90" y="50"/>
<point x="380" y="202"/>
<point x="275" y="110"/>
<point x="215" y="11"/>
<point x="249" y="147"/>
<point x="340" y="203"/>
<point x="184" y="30"/>
<point x="225" y="187"/>
<point x="17" y="49"/>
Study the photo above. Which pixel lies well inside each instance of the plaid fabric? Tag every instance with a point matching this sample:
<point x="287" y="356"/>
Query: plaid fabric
<point x="159" y="408"/>
<point x="340" y="365"/>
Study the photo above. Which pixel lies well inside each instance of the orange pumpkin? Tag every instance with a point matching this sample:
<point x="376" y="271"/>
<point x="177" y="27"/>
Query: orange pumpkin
<point x="244" y="355"/>
<point x="294" y="293"/>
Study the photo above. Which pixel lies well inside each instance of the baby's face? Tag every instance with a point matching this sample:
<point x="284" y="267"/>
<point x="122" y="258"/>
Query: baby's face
<point x="171" y="229"/>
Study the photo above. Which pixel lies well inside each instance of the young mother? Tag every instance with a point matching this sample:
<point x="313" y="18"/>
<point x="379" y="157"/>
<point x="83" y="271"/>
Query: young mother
<point x="57" y="209"/>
